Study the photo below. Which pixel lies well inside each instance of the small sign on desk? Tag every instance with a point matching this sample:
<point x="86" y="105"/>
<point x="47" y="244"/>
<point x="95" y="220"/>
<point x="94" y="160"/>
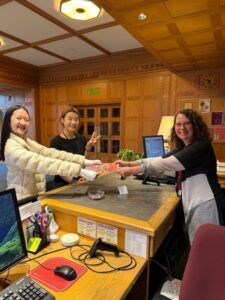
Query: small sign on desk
<point x="122" y="190"/>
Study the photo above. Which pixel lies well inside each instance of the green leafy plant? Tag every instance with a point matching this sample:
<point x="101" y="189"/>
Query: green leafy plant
<point x="128" y="154"/>
<point x="138" y="155"/>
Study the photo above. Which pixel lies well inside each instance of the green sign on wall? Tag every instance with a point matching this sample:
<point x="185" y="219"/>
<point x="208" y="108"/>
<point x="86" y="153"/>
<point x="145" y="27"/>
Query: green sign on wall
<point x="93" y="91"/>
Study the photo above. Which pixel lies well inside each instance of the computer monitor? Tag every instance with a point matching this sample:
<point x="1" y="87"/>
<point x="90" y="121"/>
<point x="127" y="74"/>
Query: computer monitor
<point x="153" y="146"/>
<point x="12" y="241"/>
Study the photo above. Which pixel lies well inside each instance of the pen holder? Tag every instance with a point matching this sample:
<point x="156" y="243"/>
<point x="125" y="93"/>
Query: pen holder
<point x="38" y="241"/>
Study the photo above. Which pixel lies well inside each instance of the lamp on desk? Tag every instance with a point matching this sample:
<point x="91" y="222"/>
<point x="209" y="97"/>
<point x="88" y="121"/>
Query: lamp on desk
<point x="165" y="127"/>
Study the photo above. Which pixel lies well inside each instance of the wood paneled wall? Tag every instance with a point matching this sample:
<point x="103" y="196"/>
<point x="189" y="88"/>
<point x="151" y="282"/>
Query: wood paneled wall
<point x="143" y="100"/>
<point x="145" y="90"/>
<point x="188" y="89"/>
<point x="145" y="95"/>
<point x="18" y="74"/>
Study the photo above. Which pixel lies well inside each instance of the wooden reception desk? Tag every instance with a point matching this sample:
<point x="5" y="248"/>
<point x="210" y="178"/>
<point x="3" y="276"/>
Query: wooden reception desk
<point x="146" y="209"/>
<point x="147" y="212"/>
<point x="129" y="285"/>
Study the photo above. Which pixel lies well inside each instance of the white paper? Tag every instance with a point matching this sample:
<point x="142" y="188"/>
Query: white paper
<point x="136" y="243"/>
<point x="86" y="227"/>
<point x="108" y="233"/>
<point x="27" y="210"/>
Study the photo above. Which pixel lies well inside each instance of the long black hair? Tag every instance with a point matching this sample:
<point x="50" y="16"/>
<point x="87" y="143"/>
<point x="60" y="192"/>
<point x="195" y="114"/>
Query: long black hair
<point x="6" y="127"/>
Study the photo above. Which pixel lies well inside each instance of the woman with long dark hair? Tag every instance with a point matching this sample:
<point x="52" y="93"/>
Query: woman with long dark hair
<point x="193" y="157"/>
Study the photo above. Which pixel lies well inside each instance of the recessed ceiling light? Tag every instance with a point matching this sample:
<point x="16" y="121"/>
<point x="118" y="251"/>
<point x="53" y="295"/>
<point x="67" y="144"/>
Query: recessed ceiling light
<point x="142" y="17"/>
<point x="79" y="9"/>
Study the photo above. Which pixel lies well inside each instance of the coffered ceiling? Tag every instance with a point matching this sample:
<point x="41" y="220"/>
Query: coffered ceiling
<point x="181" y="34"/>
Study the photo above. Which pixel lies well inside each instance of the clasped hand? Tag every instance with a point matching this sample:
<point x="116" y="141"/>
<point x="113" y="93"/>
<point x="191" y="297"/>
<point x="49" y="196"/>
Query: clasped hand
<point x="123" y="169"/>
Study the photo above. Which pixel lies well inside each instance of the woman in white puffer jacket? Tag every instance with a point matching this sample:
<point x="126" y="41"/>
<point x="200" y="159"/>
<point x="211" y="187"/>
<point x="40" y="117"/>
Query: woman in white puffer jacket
<point x="28" y="162"/>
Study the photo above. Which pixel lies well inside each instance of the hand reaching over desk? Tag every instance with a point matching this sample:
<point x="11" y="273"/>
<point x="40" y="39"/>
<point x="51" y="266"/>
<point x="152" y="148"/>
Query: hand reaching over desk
<point x="103" y="168"/>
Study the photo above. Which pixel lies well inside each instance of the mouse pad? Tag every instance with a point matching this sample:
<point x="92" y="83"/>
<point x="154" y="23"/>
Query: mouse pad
<point x="48" y="278"/>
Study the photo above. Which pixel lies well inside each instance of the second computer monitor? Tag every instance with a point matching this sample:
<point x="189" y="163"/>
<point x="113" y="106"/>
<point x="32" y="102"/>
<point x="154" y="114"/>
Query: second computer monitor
<point x="153" y="146"/>
<point x="12" y="242"/>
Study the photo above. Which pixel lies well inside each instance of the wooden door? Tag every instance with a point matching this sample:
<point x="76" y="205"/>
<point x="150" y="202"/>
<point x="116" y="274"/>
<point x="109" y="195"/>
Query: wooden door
<point x="105" y="121"/>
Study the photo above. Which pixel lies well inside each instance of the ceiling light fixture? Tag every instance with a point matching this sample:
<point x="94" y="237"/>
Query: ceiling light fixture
<point x="79" y="9"/>
<point x="2" y="43"/>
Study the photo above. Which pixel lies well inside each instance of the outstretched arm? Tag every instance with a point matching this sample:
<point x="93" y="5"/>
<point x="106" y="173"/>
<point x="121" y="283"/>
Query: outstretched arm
<point x="123" y="163"/>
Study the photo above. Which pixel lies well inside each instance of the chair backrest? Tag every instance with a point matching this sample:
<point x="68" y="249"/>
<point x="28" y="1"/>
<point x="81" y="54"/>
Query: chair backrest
<point x="204" y="275"/>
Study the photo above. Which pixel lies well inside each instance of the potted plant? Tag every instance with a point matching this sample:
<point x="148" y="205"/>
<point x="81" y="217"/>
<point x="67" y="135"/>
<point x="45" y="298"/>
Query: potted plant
<point x="128" y="154"/>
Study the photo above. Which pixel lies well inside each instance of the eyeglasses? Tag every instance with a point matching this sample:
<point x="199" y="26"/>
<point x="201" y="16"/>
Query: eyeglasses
<point x="188" y="123"/>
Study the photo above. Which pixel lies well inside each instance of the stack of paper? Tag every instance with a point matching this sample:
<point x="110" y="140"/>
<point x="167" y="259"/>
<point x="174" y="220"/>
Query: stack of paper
<point x="220" y="166"/>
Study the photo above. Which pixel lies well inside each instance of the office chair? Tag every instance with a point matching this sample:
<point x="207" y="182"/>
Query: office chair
<point x="204" y="275"/>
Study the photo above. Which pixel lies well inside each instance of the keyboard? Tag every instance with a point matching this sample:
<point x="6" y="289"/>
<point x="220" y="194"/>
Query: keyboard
<point x="25" y="289"/>
<point x="163" y="179"/>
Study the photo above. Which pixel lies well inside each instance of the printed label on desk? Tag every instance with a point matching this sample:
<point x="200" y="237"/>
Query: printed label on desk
<point x="136" y="243"/>
<point x="86" y="227"/>
<point x="122" y="190"/>
<point x="107" y="233"/>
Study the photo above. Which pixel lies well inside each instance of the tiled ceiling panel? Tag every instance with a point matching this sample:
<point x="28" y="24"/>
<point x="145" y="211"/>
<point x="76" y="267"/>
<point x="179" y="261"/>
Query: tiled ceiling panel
<point x="103" y="37"/>
<point x="185" y="7"/>
<point x="26" y="24"/>
<point x="34" y="57"/>
<point x="10" y="44"/>
<point x="75" y="48"/>
<point x="182" y="35"/>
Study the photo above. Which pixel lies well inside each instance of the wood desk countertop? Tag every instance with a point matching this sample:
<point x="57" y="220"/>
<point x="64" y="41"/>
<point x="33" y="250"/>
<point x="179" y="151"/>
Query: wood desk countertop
<point x="91" y="285"/>
<point x="156" y="226"/>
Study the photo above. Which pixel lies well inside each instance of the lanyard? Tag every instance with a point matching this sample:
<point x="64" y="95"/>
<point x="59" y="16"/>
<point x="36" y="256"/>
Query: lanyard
<point x="179" y="180"/>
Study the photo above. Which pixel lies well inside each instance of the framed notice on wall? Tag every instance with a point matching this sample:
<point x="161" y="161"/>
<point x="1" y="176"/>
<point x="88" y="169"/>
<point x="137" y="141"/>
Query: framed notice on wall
<point x="204" y="105"/>
<point x="217" y="118"/>
<point x="187" y="105"/>
<point x="219" y="133"/>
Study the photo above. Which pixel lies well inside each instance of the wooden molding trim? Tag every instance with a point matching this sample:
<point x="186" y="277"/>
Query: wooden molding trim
<point x="18" y="74"/>
<point x="98" y="68"/>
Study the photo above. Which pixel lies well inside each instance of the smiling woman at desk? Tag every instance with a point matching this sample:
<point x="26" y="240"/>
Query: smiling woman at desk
<point x="192" y="156"/>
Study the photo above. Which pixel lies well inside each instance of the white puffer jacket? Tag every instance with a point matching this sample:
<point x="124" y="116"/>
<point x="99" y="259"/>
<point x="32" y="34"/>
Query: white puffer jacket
<point x="28" y="162"/>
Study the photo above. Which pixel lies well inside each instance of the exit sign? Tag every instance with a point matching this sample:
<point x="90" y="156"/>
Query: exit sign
<point x="93" y="91"/>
